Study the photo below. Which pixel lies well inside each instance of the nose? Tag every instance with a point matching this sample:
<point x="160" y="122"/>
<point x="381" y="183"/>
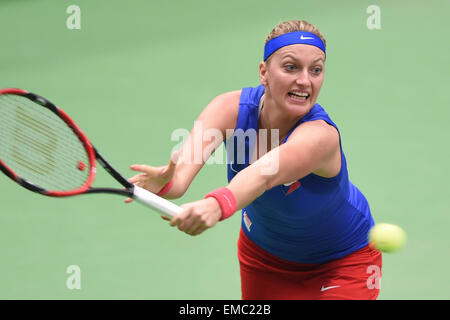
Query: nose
<point x="303" y="78"/>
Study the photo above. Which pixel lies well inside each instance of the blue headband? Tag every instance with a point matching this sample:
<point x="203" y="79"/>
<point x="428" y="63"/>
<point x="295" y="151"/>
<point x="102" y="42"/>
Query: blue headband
<point x="296" y="37"/>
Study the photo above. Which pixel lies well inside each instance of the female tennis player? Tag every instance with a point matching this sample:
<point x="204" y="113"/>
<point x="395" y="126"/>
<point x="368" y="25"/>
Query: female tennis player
<point x="304" y="224"/>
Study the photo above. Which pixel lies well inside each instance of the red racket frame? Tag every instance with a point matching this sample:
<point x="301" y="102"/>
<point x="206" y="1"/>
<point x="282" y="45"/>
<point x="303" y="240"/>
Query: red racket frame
<point x="91" y="152"/>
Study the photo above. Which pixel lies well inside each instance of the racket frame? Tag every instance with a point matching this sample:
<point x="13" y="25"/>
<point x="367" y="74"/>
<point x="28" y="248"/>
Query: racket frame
<point x="76" y="130"/>
<point x="165" y="207"/>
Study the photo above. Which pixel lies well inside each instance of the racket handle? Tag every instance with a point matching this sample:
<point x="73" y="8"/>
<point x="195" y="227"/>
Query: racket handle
<point x="167" y="208"/>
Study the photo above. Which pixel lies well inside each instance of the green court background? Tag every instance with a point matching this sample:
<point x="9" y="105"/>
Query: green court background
<point x="138" y="70"/>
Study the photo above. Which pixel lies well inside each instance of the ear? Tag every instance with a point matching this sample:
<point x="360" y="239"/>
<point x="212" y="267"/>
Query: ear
<point x="263" y="73"/>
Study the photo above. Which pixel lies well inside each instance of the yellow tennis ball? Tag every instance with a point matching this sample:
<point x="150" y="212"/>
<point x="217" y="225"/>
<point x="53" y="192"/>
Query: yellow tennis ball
<point x="387" y="237"/>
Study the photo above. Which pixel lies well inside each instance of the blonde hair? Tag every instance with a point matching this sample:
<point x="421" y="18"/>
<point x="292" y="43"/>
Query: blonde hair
<point x="294" y="25"/>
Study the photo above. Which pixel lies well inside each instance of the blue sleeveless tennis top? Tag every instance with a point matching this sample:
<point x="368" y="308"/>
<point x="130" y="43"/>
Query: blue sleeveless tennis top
<point x="313" y="220"/>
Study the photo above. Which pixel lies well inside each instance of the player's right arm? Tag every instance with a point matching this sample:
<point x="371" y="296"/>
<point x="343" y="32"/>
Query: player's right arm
<point x="218" y="116"/>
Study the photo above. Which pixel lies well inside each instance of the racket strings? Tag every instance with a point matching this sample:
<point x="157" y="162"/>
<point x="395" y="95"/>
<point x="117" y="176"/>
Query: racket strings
<point x="39" y="146"/>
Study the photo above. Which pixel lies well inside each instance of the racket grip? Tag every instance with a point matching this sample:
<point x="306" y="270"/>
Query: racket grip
<point x="167" y="208"/>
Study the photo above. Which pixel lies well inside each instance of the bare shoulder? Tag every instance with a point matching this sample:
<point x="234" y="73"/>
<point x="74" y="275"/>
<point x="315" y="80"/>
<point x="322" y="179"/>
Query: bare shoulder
<point x="326" y="139"/>
<point x="223" y="110"/>
<point x="320" y="130"/>
<point x="321" y="141"/>
<point x="322" y="126"/>
<point x="230" y="96"/>
<point x="228" y="101"/>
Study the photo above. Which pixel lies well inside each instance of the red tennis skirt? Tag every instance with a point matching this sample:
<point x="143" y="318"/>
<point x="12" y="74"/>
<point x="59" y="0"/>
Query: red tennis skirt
<point x="266" y="277"/>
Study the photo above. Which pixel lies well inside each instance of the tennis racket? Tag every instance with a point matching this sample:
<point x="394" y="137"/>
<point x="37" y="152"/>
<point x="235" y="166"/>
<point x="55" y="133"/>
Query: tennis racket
<point x="44" y="151"/>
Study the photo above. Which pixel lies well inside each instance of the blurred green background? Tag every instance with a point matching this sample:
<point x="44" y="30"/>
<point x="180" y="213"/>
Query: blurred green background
<point x="138" y="70"/>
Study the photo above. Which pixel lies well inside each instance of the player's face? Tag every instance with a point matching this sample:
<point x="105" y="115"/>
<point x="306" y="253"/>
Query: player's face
<point x="293" y="77"/>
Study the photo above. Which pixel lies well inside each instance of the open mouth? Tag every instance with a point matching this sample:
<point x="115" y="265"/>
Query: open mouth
<point x="298" y="95"/>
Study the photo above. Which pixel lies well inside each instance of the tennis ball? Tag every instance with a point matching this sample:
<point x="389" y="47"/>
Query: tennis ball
<point x="387" y="237"/>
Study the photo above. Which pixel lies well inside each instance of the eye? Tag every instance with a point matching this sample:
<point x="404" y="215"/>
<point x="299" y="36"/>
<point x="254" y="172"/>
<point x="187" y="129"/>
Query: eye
<point x="317" y="70"/>
<point x="289" y="67"/>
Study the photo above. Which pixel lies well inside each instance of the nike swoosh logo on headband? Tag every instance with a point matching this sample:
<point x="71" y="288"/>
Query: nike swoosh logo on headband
<point x="306" y="38"/>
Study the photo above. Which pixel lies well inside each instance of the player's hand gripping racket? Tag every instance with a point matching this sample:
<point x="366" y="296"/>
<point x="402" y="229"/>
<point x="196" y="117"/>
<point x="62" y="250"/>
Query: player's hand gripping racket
<point x="43" y="150"/>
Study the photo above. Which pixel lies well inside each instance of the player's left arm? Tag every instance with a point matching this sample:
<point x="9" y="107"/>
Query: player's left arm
<point x="309" y="149"/>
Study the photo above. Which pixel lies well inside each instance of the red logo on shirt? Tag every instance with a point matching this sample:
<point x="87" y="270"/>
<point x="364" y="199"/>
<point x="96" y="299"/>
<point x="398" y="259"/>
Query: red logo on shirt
<point x="293" y="186"/>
